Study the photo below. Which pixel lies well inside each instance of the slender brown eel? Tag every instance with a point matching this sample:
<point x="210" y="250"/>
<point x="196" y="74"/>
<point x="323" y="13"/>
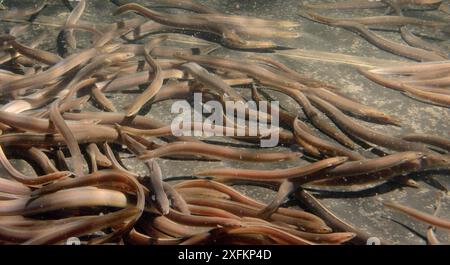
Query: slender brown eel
<point x="220" y="152"/>
<point x="421" y="216"/>
<point x="262" y="175"/>
<point x="72" y="144"/>
<point x="72" y="20"/>
<point x="434" y="140"/>
<point x="155" y="177"/>
<point x="155" y="85"/>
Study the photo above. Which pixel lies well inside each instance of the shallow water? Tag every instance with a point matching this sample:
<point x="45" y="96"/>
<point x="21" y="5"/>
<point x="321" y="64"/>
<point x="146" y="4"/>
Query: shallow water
<point x="362" y="209"/>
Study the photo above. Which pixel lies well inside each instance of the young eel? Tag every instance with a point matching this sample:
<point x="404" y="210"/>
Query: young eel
<point x="67" y="133"/>
<point x="217" y="151"/>
<point x="434" y="140"/>
<point x="155" y="85"/>
<point x="277" y="174"/>
<point x="421" y="216"/>
<point x="72" y="20"/>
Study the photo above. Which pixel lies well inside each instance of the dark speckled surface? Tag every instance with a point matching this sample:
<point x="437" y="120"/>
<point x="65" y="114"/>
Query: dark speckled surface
<point x="363" y="209"/>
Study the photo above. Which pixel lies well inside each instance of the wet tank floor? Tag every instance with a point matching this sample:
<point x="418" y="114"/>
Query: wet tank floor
<point x="362" y="208"/>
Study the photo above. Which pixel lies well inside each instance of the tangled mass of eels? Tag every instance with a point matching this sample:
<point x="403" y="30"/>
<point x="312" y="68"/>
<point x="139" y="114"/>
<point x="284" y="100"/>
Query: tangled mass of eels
<point x="81" y="188"/>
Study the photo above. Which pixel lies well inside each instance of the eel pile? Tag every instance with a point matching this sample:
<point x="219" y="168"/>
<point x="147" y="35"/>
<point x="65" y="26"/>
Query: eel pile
<point x="81" y="188"/>
<point x="417" y="46"/>
<point x="427" y="81"/>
